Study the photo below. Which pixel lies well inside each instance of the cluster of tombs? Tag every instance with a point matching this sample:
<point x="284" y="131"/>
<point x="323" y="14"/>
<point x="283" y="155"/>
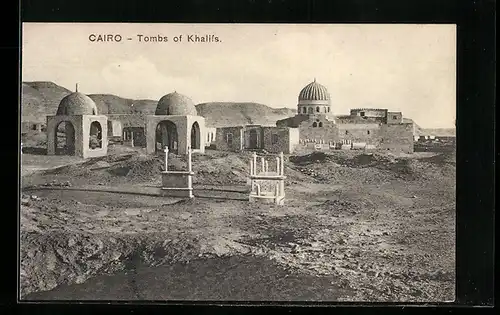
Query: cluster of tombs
<point x="177" y="126"/>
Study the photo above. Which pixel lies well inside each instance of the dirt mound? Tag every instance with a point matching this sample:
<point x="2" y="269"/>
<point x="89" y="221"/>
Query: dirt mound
<point x="330" y="167"/>
<point x="230" y="169"/>
<point x="74" y="258"/>
<point x="314" y="157"/>
<point x="441" y="159"/>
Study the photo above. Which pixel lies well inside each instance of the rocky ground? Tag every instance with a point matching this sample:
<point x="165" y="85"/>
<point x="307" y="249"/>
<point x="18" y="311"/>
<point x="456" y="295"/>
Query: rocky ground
<point x="355" y="227"/>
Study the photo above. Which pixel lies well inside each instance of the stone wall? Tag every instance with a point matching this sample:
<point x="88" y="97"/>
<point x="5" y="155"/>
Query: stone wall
<point x="327" y="132"/>
<point x="369" y="112"/>
<point x="369" y="133"/>
<point x="397" y="138"/>
<point x="221" y="138"/>
<point x="394" y="117"/>
<point x="277" y="140"/>
<point x="103" y="122"/>
<point x="115" y="128"/>
<point x="247" y="135"/>
<point x="135" y="120"/>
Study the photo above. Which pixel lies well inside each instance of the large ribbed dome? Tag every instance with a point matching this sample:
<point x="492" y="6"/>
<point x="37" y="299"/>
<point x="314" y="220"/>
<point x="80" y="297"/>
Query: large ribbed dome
<point x="314" y="92"/>
<point x="176" y="104"/>
<point x="76" y="104"/>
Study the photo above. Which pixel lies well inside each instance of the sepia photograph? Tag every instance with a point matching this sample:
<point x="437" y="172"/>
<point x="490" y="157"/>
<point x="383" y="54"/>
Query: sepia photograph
<point x="238" y="162"/>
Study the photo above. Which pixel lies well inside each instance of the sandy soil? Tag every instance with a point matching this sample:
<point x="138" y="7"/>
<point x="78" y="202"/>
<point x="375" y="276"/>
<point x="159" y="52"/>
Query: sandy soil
<point x="355" y="227"/>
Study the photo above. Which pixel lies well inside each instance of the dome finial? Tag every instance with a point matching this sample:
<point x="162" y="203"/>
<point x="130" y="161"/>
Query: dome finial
<point x="314" y="79"/>
<point x="76" y="89"/>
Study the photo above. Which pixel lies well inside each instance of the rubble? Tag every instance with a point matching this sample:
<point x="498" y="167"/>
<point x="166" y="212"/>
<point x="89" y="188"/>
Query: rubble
<point x="359" y="233"/>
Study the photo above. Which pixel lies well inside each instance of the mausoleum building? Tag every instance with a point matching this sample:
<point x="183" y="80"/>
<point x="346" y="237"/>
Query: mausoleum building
<point x="77" y="128"/>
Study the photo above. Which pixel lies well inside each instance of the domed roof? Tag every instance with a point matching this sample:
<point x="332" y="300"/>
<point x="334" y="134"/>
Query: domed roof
<point x="76" y="104"/>
<point x="176" y="104"/>
<point x="314" y="92"/>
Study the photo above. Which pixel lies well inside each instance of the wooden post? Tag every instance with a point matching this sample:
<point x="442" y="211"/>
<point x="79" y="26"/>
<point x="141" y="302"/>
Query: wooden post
<point x="132" y="139"/>
<point x="262" y="164"/>
<point x="267" y="167"/>
<point x="251" y="168"/>
<point x="277" y="165"/>
<point x="166" y="158"/>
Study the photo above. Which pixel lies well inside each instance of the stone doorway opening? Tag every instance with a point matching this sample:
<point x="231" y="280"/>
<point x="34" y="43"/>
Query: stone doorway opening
<point x="65" y="138"/>
<point x="166" y="136"/>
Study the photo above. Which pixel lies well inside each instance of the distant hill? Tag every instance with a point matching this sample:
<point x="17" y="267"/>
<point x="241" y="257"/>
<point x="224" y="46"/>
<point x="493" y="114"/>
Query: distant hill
<point x="112" y="104"/>
<point x="224" y="114"/>
<point x="40" y="99"/>
<point x="439" y="132"/>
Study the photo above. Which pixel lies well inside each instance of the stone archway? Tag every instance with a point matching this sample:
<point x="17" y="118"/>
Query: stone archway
<point x="195" y="136"/>
<point x="64" y="141"/>
<point x="95" y="136"/>
<point x="166" y="136"/>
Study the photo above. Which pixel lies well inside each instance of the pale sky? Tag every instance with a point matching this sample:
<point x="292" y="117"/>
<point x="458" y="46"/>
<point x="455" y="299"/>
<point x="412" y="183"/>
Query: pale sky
<point x="408" y="68"/>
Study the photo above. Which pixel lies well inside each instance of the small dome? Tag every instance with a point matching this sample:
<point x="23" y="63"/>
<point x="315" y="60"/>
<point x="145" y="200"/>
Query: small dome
<point x="176" y="104"/>
<point x="76" y="104"/>
<point x="314" y="92"/>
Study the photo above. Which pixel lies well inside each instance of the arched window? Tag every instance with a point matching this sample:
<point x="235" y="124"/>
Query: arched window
<point x="328" y="109"/>
<point x="314" y="124"/>
<point x="95" y="136"/>
<point x="304" y="110"/>
<point x="320" y="124"/>
<point x="310" y="110"/>
<point x="317" y="109"/>
<point x="368" y="132"/>
<point x="346" y="132"/>
<point x="166" y="136"/>
<point x="195" y="136"/>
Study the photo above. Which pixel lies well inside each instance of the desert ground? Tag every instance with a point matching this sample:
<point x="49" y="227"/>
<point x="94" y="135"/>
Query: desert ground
<point x="356" y="226"/>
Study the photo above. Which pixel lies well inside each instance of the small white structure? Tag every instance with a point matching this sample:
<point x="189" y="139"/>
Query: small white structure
<point x="177" y="183"/>
<point x="267" y="185"/>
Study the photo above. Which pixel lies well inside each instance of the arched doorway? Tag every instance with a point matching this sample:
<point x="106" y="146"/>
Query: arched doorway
<point x="195" y="136"/>
<point x="166" y="136"/>
<point x="254" y="139"/>
<point x="64" y="141"/>
<point x="95" y="139"/>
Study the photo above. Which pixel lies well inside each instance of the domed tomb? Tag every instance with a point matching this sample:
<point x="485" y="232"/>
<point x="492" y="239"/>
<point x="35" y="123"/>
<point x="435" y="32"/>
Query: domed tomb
<point x="77" y="129"/>
<point x="175" y="125"/>
<point x="76" y="104"/>
<point x="313" y="99"/>
<point x="176" y="104"/>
